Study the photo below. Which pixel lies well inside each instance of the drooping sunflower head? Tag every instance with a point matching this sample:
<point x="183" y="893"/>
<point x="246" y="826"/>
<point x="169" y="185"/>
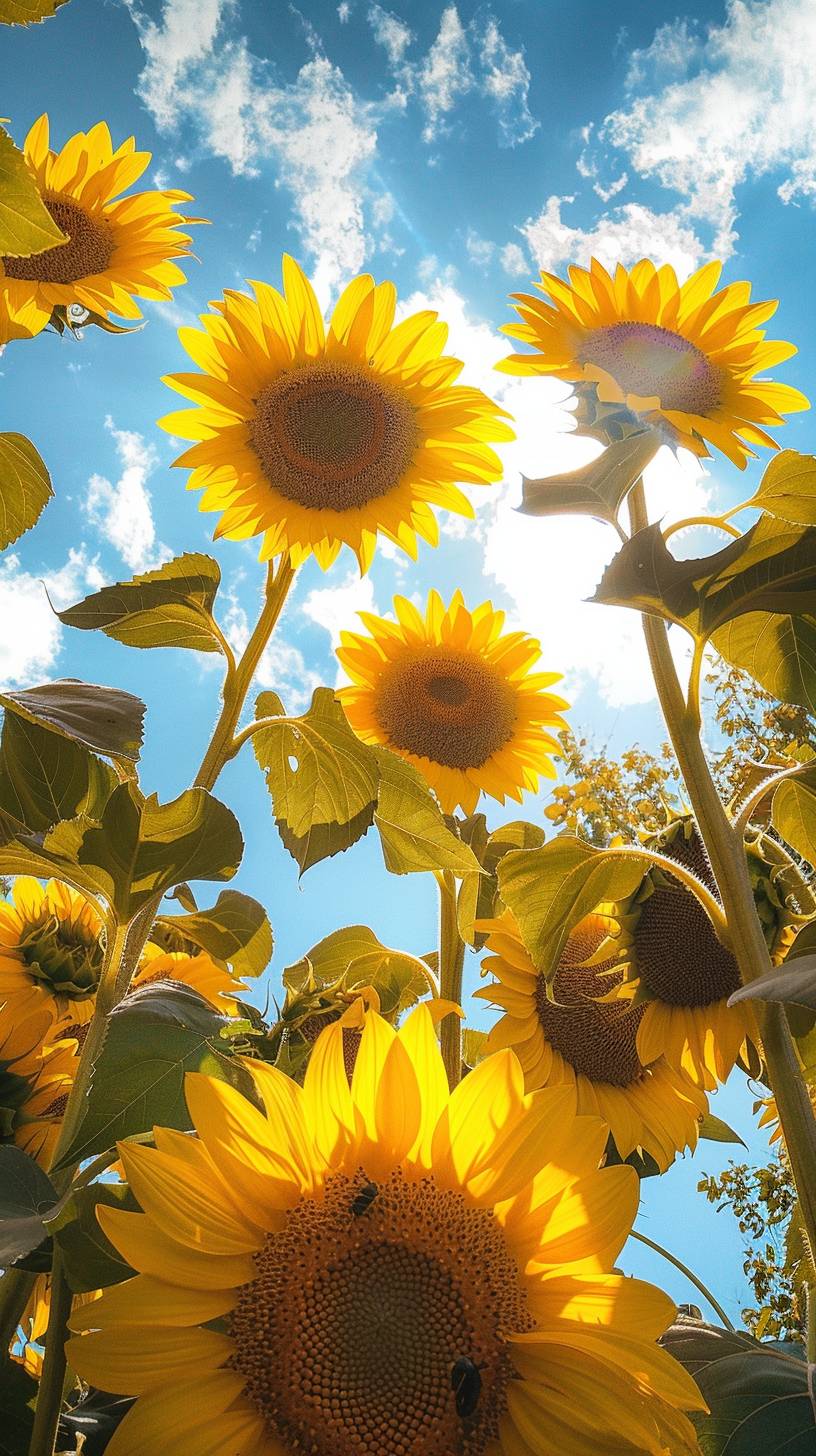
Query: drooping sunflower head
<point x="51" y="950"/>
<point x="382" y="1267"/>
<point x="36" y="1076"/>
<point x="679" y="356"/>
<point x="456" y="696"/>
<point x="118" y="248"/>
<point x="313" y="437"/>
<point x="575" y="1034"/>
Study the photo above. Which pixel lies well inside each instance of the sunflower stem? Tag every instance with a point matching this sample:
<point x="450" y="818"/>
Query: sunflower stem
<point x="15" y="1290"/>
<point x="718" y="523"/>
<point x="52" y="1379"/>
<point x="690" y="1275"/>
<point x="729" y="863"/>
<point x="451" y="964"/>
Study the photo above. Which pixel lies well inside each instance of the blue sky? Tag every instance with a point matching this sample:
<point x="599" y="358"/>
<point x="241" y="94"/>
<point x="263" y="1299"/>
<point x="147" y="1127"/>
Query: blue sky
<point x="455" y="149"/>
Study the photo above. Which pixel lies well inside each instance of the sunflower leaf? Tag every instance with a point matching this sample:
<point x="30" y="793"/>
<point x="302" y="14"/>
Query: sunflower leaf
<point x="793" y="815"/>
<point x="236" y="929"/>
<point x="26" y="225"/>
<point x="169" y="607"/>
<point x="412" y="828"/>
<point x="27" y="1197"/>
<point x="45" y="777"/>
<point x="757" y="1394"/>
<point x="788" y="488"/>
<point x="550" y="889"/>
<point x="25" y="487"/>
<point x="154" y="1037"/>
<point x="89" y="1259"/>
<point x="716" y="1131"/>
<point x="777" y="649"/>
<point x="18" y="1393"/>
<point x="793" y="983"/>
<point x="355" y="954"/>
<point x="27" y="12"/>
<point x="597" y="489"/>
<point x="106" y="720"/>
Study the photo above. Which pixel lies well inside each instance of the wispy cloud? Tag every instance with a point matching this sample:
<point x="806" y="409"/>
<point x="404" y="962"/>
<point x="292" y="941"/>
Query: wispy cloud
<point x="31" y="634"/>
<point x="122" y="512"/>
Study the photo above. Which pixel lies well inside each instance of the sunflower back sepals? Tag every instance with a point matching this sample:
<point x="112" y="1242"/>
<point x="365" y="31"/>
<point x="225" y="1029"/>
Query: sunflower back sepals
<point x="598" y="489"/>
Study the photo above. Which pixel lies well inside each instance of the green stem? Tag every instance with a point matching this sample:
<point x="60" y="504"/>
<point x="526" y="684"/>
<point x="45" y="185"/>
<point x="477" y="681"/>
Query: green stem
<point x="451" y="964"/>
<point x="236" y="687"/>
<point x="730" y="866"/>
<point x="52" y="1379"/>
<point x="690" y="1275"/>
<point x="719" y="523"/>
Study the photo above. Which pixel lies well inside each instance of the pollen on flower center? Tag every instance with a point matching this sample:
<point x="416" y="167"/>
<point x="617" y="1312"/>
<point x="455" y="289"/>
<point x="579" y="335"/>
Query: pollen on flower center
<point x="349" y="1334"/>
<point x="598" y="1039"/>
<point x="446" y="706"/>
<point x="646" y="360"/>
<point x="331" y="437"/>
<point x="89" y="248"/>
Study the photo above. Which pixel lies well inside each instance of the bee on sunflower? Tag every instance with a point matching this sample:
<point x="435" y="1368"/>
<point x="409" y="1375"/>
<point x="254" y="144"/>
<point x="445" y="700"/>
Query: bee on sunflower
<point x="382" y="1267"/>
<point x="456" y="696"/>
<point x="313" y="437"/>
<point x="679" y="356"/>
<point x="576" y="1034"/>
<point x="117" y="248"/>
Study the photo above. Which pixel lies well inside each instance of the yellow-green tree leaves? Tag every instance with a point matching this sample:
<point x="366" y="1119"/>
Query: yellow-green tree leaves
<point x="597" y="489"/>
<point x="27" y="12"/>
<point x="25" y="487"/>
<point x="26" y="225"/>
<point x="169" y="607"/>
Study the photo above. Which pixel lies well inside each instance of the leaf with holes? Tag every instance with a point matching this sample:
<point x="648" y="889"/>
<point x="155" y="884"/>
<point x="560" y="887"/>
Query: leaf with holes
<point x="169" y="607"/>
<point x="597" y="489"/>
<point x="777" y="649"/>
<point x="236" y="929"/>
<point x="25" y="487"/>
<point x="106" y="720"/>
<point x="26" y="225"/>
<point x="550" y="889"/>
<point x="788" y="488"/>
<point x="45" y="777"/>
<point x="154" y="1037"/>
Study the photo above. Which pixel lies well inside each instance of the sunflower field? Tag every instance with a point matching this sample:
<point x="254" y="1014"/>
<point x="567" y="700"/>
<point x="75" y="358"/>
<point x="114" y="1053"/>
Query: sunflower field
<point x="355" y="1208"/>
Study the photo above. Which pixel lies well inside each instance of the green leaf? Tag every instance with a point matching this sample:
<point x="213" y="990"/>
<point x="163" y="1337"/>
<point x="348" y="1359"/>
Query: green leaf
<point x="794" y="983"/>
<point x="89" y="1259"/>
<point x="27" y="12"/>
<point x="140" y="848"/>
<point x="106" y="720"/>
<point x="758" y="1397"/>
<point x="25" y="487"/>
<point x="412" y="828"/>
<point x="45" y="777"/>
<point x="550" y="889"/>
<point x="154" y="1037"/>
<point x="597" y="489"/>
<point x="793" y="815"/>
<point x="235" y="929"/>
<point x="27" y="1195"/>
<point x="474" y="1046"/>
<point x="26" y="225"/>
<point x="479" y="895"/>
<point x="355" y="953"/>
<point x="778" y="650"/>
<point x="716" y="1131"/>
<point x="788" y="488"/>
<point x="18" y="1393"/>
<point x="322" y="780"/>
<point x="169" y="607"/>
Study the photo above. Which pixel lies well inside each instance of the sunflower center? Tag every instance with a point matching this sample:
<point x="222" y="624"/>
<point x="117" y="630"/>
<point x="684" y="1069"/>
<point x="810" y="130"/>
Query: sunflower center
<point x="332" y="438"/>
<point x="598" y="1039"/>
<point x="647" y="360"/>
<point x="350" y="1333"/>
<point x="89" y="248"/>
<point x="65" y="957"/>
<point x="447" y="706"/>
<point x="677" y="953"/>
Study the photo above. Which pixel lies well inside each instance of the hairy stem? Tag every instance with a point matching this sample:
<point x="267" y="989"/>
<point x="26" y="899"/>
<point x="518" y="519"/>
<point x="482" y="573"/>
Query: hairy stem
<point x="730" y="866"/>
<point x="689" y="1273"/>
<point x="451" y="963"/>
<point x="52" y="1379"/>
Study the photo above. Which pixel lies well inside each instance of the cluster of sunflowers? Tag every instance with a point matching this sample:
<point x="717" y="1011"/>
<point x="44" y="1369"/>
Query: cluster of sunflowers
<point x="372" y="1236"/>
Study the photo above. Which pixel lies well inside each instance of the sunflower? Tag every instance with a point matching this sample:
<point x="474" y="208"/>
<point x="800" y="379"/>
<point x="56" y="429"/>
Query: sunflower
<point x="455" y="697"/>
<point x="385" y="1267"/>
<point x="21" y="322"/>
<point x="212" y="979"/>
<point x="681" y="972"/>
<point x="313" y="438"/>
<point x="51" y="951"/>
<point x="36" y="1076"/>
<point x="581" y="1039"/>
<point x="678" y="356"/>
<point x="117" y="248"/>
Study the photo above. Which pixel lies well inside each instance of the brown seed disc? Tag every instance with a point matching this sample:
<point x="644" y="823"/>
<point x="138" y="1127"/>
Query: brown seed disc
<point x="55" y="1109"/>
<point x="447" y="706"/>
<point x="349" y="1334"/>
<point x="597" y="1039"/>
<point x="314" y="1025"/>
<point x="677" y="954"/>
<point x="647" y="360"/>
<point x="331" y="437"/>
<point x="89" y="248"/>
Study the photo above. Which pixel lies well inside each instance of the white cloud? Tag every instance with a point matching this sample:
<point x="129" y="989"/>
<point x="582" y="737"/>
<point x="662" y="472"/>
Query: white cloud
<point x="335" y="608"/>
<point x="445" y="75"/>
<point x="506" y="80"/>
<point x="738" y="104"/>
<point x="185" y="36"/>
<point x="282" y="666"/>
<point x="620" y="236"/>
<point x="30" y="632"/>
<point x="513" y="260"/>
<point x="343" y="12"/>
<point x="390" y="32"/>
<point x="479" y="250"/>
<point x="122" y="513"/>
